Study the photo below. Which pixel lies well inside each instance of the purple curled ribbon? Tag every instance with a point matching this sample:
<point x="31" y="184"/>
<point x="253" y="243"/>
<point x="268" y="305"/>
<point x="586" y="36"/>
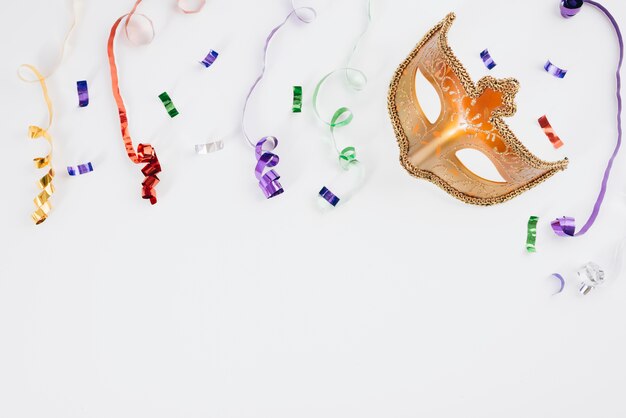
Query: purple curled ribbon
<point x="268" y="180"/>
<point x="83" y="93"/>
<point x="209" y="59"/>
<point x="487" y="60"/>
<point x="81" y="169"/>
<point x="329" y="196"/>
<point x="554" y="70"/>
<point x="570" y="8"/>
<point x="566" y="226"/>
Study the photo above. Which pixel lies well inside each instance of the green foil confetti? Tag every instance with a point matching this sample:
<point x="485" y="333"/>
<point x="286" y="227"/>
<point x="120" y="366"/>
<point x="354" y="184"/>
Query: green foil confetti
<point x="169" y="106"/>
<point x="531" y="238"/>
<point x="297" y="99"/>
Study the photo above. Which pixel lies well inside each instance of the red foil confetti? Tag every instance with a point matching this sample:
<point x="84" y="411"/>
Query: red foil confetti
<point x="549" y="131"/>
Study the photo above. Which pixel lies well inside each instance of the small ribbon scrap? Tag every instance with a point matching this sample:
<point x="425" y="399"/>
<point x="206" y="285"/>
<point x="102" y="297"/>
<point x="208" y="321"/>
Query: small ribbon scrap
<point x="531" y="238"/>
<point x="209" y="59"/>
<point x="210" y="147"/>
<point x="80" y="169"/>
<point x="297" y="99"/>
<point x="487" y="60"/>
<point x="169" y="105"/>
<point x="83" y="93"/>
<point x="554" y="70"/>
<point x="561" y="282"/>
<point x="549" y="131"/>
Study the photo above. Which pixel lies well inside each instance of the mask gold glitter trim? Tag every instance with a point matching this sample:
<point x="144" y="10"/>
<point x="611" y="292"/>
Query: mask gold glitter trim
<point x="472" y="117"/>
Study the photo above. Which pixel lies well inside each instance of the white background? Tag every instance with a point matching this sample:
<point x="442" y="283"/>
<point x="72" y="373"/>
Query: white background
<point x="218" y="303"/>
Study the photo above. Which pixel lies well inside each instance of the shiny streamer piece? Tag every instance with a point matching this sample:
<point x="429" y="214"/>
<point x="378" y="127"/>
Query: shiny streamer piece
<point x="200" y="5"/>
<point x="487" y="60"/>
<point x="83" y="93"/>
<point x="561" y="282"/>
<point x="80" y="169"/>
<point x="42" y="201"/>
<point x="531" y="239"/>
<point x="297" y="99"/>
<point x="209" y="59"/>
<point x="268" y="181"/>
<point x="566" y="226"/>
<point x="210" y="147"/>
<point x="169" y="105"/>
<point x="549" y="131"/>
<point x="591" y="276"/>
<point x="554" y="70"/>
<point x="329" y="196"/>
<point x="145" y="153"/>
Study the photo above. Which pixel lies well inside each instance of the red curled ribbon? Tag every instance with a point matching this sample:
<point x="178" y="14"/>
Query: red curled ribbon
<point x="145" y="153"/>
<point x="549" y="131"/>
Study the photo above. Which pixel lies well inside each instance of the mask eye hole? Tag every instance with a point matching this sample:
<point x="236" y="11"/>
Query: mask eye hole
<point x="427" y="97"/>
<point x="479" y="164"/>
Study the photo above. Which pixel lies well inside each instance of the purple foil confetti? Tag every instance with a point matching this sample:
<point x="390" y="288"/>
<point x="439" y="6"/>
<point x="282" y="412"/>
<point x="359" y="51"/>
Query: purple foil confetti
<point x="209" y="59"/>
<point x="487" y="60"/>
<point x="560" y="279"/>
<point x="83" y="93"/>
<point x="268" y="180"/>
<point x="554" y="70"/>
<point x="81" y="169"/>
<point x="329" y="196"/>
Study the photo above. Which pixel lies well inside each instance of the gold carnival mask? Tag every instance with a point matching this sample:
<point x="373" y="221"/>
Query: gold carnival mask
<point x="471" y="118"/>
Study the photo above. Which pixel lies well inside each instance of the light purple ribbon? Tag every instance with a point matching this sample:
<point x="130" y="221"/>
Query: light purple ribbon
<point x="265" y="159"/>
<point x="560" y="279"/>
<point x="566" y="226"/>
<point x="268" y="180"/>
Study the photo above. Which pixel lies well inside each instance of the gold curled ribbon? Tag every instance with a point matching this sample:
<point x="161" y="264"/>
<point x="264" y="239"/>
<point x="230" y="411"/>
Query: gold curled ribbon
<point x="42" y="201"/>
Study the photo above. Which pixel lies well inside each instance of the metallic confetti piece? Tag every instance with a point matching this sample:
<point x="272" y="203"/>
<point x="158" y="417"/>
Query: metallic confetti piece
<point x="208" y="148"/>
<point x="42" y="201"/>
<point x="570" y="8"/>
<point x="554" y="70"/>
<point x="487" y="60"/>
<point x="566" y="226"/>
<point x="145" y="153"/>
<point x="561" y="280"/>
<point x="80" y="169"/>
<point x="297" y="99"/>
<point x="549" y="131"/>
<point x="328" y="196"/>
<point x="169" y="106"/>
<point x="83" y="93"/>
<point x="268" y="180"/>
<point x="209" y="59"/>
<point x="531" y="237"/>
<point x="197" y="9"/>
<point x="591" y="276"/>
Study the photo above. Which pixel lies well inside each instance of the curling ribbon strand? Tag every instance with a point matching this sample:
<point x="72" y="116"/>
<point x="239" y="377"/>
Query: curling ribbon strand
<point x="42" y="201"/>
<point x="145" y="153"/>
<point x="294" y="12"/>
<point x="268" y="181"/>
<point x="566" y="226"/>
